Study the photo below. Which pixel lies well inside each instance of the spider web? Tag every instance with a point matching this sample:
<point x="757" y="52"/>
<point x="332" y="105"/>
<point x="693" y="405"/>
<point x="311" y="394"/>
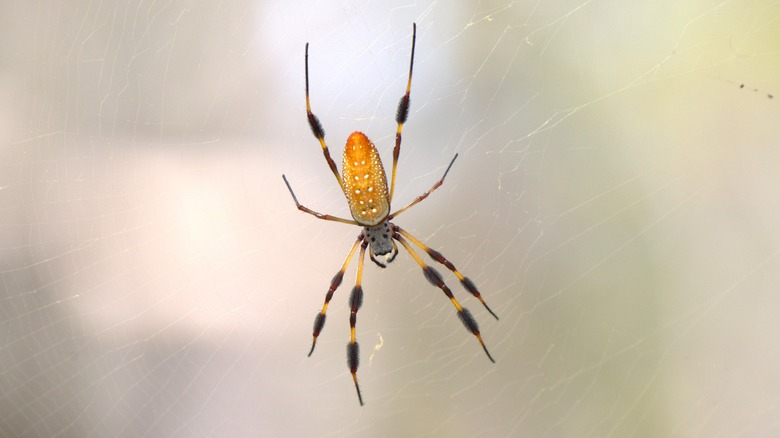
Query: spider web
<point x="615" y="200"/>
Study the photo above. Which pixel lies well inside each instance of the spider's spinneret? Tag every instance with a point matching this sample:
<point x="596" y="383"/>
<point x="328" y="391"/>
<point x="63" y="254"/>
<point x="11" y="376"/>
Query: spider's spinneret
<point x="365" y="183"/>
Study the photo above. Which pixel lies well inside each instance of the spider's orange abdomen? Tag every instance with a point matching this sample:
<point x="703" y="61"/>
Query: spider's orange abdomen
<point x="365" y="183"/>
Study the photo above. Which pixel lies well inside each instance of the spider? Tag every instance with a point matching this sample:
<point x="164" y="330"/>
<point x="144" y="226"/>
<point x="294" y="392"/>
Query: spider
<point x="364" y="184"/>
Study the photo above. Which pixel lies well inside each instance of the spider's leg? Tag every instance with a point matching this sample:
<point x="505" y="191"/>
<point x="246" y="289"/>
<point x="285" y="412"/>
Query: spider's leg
<point x="425" y="195"/>
<point x="304" y="209"/>
<point x="319" y="321"/>
<point x="355" y="301"/>
<point x="316" y="127"/>
<point x="436" y="255"/>
<point x="435" y="279"/>
<point x="402" y="114"/>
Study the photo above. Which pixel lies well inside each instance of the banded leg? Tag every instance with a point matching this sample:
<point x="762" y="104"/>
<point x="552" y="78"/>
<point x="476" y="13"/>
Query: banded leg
<point x="304" y="209"/>
<point x="426" y="194"/>
<point x="355" y="301"/>
<point x="319" y="321"/>
<point x="436" y="255"/>
<point x="435" y="279"/>
<point x="402" y="114"/>
<point x="316" y="127"/>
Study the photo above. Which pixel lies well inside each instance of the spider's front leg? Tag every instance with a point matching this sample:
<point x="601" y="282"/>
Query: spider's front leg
<point x="355" y="301"/>
<point x="319" y="321"/>
<point x="436" y="255"/>
<point x="435" y="279"/>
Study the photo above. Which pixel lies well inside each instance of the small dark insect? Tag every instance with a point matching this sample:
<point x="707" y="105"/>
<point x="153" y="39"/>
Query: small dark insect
<point x="364" y="184"/>
<point x="755" y="90"/>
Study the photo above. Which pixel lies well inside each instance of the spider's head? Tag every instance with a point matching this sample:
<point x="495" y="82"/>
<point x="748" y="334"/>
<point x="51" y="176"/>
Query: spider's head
<point x="381" y="243"/>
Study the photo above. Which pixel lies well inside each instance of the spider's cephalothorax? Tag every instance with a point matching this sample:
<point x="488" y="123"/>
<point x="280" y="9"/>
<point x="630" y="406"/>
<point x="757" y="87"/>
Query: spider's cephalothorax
<point x="381" y="243"/>
<point x="364" y="184"/>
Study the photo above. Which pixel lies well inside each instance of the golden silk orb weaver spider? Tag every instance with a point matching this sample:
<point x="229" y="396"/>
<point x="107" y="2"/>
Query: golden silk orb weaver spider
<point x="364" y="184"/>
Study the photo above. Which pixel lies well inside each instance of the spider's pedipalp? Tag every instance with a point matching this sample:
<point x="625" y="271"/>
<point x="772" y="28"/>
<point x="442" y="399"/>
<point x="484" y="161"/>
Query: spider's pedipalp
<point x="389" y="257"/>
<point x="394" y="254"/>
<point x="377" y="262"/>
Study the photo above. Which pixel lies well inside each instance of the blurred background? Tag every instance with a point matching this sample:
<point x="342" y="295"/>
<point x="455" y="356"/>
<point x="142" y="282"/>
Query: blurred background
<point x="615" y="199"/>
